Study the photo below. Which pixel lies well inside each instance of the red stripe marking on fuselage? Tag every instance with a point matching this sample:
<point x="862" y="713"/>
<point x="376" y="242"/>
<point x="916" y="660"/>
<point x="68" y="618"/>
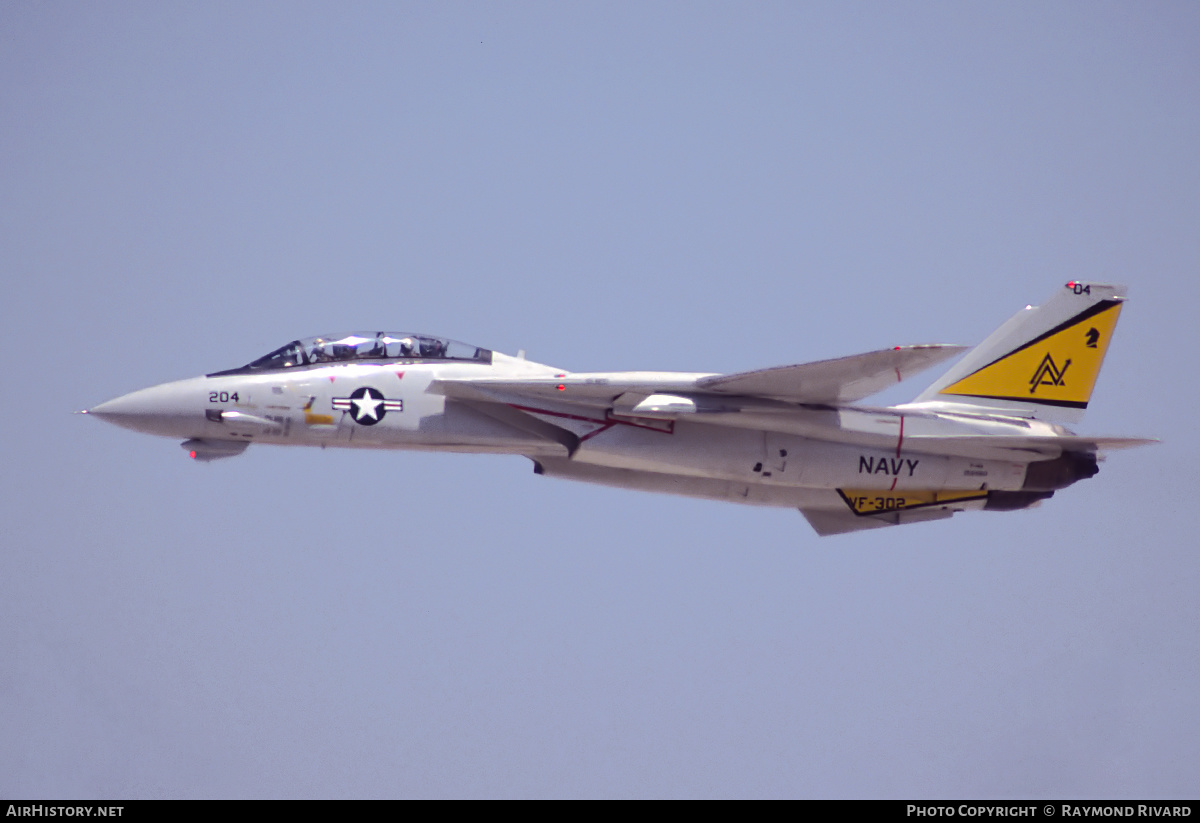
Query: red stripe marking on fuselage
<point x="555" y="414"/>
<point x="607" y="423"/>
<point x="603" y="428"/>
<point x="899" y="442"/>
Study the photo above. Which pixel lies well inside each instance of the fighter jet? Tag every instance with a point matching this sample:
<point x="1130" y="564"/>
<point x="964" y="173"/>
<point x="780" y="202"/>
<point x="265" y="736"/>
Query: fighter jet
<point x="988" y="434"/>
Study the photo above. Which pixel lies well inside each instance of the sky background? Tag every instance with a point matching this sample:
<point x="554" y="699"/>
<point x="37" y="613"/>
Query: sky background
<point x="691" y="186"/>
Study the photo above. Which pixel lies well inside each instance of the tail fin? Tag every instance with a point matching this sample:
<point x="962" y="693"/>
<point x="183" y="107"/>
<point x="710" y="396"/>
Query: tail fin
<point x="1043" y="362"/>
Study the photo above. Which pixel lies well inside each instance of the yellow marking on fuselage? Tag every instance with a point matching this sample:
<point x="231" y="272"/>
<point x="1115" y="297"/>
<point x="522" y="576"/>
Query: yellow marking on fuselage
<point x="873" y="501"/>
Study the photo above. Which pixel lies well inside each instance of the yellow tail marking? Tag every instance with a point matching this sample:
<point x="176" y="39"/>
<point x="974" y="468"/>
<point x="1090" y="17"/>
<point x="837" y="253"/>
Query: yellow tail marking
<point x="870" y="501"/>
<point x="1057" y="369"/>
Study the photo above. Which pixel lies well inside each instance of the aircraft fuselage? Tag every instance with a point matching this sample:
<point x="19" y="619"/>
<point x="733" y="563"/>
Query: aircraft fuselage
<point x="985" y="435"/>
<point x="396" y="405"/>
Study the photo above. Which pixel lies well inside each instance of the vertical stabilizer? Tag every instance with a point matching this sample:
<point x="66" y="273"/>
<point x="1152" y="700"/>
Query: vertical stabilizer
<point x="1043" y="362"/>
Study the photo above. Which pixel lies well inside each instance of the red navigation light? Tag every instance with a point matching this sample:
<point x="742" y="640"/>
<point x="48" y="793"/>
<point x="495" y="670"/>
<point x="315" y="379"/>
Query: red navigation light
<point x="192" y="454"/>
<point x="561" y="387"/>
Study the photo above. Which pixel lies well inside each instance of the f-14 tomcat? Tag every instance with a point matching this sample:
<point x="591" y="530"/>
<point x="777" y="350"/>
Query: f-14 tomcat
<point x="987" y="434"/>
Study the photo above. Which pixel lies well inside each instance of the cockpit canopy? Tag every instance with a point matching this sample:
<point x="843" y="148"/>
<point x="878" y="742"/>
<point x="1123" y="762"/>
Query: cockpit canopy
<point x="365" y="347"/>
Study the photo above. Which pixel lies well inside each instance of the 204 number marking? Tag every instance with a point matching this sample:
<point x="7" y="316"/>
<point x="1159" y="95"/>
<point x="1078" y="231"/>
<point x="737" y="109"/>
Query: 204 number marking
<point x="222" y="397"/>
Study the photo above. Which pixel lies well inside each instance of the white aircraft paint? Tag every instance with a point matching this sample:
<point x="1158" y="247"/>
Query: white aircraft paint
<point x="988" y="434"/>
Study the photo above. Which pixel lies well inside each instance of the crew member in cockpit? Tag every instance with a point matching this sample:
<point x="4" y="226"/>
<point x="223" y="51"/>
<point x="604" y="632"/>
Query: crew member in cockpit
<point x="431" y="347"/>
<point x="319" y="354"/>
<point x="380" y="347"/>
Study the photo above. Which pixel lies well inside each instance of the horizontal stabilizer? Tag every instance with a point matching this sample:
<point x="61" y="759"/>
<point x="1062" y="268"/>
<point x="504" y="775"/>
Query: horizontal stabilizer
<point x="969" y="445"/>
<point x="841" y="380"/>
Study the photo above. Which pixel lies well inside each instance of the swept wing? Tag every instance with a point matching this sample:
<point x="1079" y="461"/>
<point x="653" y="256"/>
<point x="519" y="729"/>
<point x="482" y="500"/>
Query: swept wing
<point x="841" y="380"/>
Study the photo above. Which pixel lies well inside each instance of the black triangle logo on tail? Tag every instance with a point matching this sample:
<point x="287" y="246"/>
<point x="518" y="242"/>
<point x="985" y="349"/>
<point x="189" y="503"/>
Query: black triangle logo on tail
<point x="1048" y="374"/>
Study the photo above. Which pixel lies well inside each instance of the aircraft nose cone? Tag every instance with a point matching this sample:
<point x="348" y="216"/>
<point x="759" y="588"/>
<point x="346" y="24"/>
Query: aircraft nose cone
<point x="172" y="409"/>
<point x="125" y="411"/>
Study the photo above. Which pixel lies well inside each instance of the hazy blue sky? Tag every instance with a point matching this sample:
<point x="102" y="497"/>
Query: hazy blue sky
<point x="693" y="186"/>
